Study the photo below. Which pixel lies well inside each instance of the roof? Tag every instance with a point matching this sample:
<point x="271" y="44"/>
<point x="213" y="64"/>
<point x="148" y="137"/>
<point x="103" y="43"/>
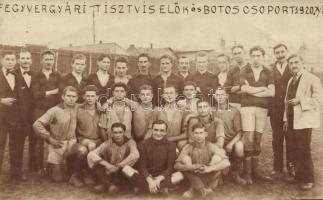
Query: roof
<point x="157" y="52"/>
<point x="106" y="48"/>
<point x="195" y="51"/>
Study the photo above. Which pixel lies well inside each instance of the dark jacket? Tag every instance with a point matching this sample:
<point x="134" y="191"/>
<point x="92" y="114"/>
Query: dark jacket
<point x="25" y="96"/>
<point x="8" y="114"/>
<point x="40" y="85"/>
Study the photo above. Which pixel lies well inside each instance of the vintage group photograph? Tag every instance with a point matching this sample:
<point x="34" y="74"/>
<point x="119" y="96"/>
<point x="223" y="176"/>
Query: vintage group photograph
<point x="161" y="100"/>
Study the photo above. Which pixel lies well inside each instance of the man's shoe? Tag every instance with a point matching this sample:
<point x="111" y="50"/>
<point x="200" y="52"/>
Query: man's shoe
<point x="256" y="172"/>
<point x="113" y="189"/>
<point x="22" y="178"/>
<point x="88" y="180"/>
<point x="206" y="191"/>
<point x="99" y="188"/>
<point x="238" y="179"/>
<point x="289" y="179"/>
<point x="74" y="180"/>
<point x="164" y="192"/>
<point x="275" y="175"/>
<point x="189" y="194"/>
<point x="306" y="186"/>
<point x="42" y="172"/>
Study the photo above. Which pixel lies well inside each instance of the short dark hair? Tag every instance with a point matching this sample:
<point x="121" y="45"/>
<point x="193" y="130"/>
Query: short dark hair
<point x="224" y="55"/>
<point x="24" y="50"/>
<point x="198" y="125"/>
<point x="294" y="56"/>
<point x="46" y="52"/>
<point x="201" y="101"/>
<point x="90" y="88"/>
<point x="69" y="88"/>
<point x="117" y="125"/>
<point x="160" y="122"/>
<point x="78" y="56"/>
<point x="121" y="60"/>
<point x="279" y="45"/>
<point x="257" y="48"/>
<point x="191" y="83"/>
<point x="9" y="52"/>
<point x="169" y="85"/>
<point x="183" y="57"/>
<point x="225" y="89"/>
<point x="239" y="46"/>
<point x="102" y="56"/>
<point x="166" y="56"/>
<point x="146" y="87"/>
<point x="119" y="85"/>
<point x="145" y="55"/>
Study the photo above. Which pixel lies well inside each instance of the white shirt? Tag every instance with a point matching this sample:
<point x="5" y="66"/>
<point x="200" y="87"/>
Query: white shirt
<point x="256" y="72"/>
<point x="47" y="73"/>
<point x="281" y="67"/>
<point x="222" y="76"/>
<point x="103" y="77"/>
<point x="10" y="78"/>
<point x="77" y="77"/>
<point x="26" y="76"/>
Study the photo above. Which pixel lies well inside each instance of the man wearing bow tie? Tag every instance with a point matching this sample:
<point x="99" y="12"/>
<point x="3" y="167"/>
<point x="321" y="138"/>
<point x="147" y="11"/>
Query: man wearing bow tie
<point x="9" y="115"/>
<point x="24" y="77"/>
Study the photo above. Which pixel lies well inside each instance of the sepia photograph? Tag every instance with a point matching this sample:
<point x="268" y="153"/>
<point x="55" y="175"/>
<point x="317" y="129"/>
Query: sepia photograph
<point x="151" y="99"/>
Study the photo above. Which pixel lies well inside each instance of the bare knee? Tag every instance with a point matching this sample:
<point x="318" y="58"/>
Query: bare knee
<point x="82" y="151"/>
<point x="238" y="149"/>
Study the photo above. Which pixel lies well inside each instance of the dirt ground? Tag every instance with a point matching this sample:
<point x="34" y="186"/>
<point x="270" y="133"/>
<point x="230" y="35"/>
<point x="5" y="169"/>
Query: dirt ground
<point x="41" y="189"/>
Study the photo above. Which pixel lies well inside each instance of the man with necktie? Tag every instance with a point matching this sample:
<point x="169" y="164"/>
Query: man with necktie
<point x="24" y="77"/>
<point x="301" y="115"/>
<point x="9" y="116"/>
<point x="281" y="74"/>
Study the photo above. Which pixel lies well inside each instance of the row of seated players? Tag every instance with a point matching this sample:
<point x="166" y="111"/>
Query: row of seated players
<point x="102" y="141"/>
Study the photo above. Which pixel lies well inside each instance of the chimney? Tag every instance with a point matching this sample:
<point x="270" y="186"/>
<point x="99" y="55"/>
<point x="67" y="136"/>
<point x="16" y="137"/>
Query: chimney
<point x="151" y="45"/>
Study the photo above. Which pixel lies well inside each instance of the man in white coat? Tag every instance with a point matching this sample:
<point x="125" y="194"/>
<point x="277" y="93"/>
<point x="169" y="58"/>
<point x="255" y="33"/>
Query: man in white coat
<point x="301" y="114"/>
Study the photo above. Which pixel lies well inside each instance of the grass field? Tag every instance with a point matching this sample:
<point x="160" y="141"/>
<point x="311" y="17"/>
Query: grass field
<point x="41" y="189"/>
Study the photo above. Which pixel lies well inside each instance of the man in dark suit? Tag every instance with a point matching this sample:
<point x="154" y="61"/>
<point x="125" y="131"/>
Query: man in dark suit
<point x="9" y="116"/>
<point x="45" y="88"/>
<point x="75" y="78"/>
<point x="282" y="74"/>
<point x="184" y="67"/>
<point x="24" y="77"/>
<point x="143" y="77"/>
<point x="166" y="77"/>
<point x="206" y="81"/>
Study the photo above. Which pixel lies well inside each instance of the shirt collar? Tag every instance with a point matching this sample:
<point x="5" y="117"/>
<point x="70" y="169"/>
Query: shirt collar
<point x="47" y="72"/>
<point x="202" y="72"/>
<point x="100" y="73"/>
<point x="299" y="73"/>
<point x="162" y="141"/>
<point x="76" y="75"/>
